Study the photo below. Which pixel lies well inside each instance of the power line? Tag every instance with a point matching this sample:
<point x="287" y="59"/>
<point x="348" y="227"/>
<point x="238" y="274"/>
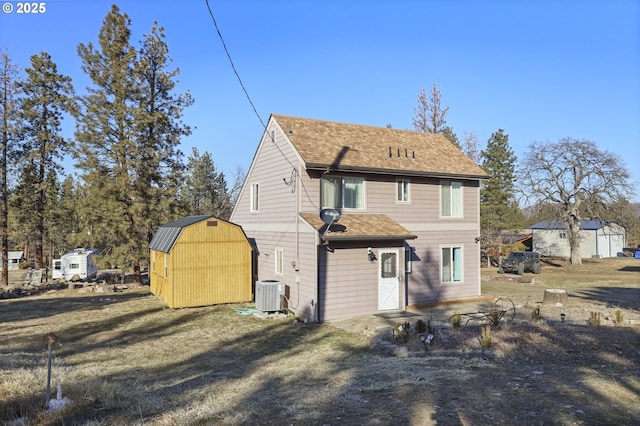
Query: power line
<point x="294" y="173"/>
<point x="215" y="24"/>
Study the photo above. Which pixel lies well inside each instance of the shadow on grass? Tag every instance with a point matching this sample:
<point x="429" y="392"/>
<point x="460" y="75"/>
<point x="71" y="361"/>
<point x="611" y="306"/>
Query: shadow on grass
<point x="630" y="268"/>
<point x="26" y="308"/>
<point x="622" y="297"/>
<point x="132" y="361"/>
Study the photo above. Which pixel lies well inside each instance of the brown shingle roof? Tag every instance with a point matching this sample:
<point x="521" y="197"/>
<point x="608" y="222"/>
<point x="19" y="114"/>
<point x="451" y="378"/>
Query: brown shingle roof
<point x="339" y="146"/>
<point x="359" y="227"/>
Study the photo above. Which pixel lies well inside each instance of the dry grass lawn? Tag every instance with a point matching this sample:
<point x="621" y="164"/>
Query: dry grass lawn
<point x="126" y="359"/>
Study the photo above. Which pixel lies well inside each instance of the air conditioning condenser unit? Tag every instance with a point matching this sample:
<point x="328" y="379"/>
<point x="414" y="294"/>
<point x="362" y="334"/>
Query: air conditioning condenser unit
<point x="268" y="295"/>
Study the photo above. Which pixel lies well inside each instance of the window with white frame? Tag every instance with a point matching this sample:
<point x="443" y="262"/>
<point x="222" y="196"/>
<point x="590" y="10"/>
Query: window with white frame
<point x="402" y="191"/>
<point x="342" y="192"/>
<point x="279" y="261"/>
<point x="153" y="261"/>
<point x="451" y="264"/>
<point x="255" y="197"/>
<point x="451" y="199"/>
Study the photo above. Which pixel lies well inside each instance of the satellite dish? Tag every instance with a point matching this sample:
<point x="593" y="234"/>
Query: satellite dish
<point x="329" y="216"/>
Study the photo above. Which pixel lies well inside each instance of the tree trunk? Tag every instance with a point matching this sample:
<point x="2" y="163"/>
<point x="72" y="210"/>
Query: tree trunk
<point x="137" y="274"/>
<point x="555" y="296"/>
<point x="573" y="235"/>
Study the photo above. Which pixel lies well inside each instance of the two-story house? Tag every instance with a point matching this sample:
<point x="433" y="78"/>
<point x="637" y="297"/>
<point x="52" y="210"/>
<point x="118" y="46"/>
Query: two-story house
<point x="408" y="226"/>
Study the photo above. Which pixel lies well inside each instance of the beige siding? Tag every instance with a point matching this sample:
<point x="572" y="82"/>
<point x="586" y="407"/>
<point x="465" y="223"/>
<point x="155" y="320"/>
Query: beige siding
<point x="424" y="206"/>
<point x="274" y="163"/>
<point x="277" y="225"/>
<point x="301" y="282"/>
<point x="310" y="194"/>
<point x="425" y="283"/>
<point x="342" y="283"/>
<point x="349" y="282"/>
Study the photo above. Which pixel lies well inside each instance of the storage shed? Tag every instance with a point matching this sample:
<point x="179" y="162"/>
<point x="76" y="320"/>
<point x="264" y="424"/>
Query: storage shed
<point x="200" y="261"/>
<point x="598" y="238"/>
<point x="14" y="259"/>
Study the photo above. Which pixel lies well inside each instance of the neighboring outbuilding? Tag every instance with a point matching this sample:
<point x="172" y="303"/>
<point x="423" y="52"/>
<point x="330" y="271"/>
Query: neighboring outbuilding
<point x="200" y="261"/>
<point x="14" y="259"/>
<point x="599" y="238"/>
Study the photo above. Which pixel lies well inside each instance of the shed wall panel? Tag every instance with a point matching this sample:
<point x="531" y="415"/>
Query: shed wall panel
<point x="207" y="265"/>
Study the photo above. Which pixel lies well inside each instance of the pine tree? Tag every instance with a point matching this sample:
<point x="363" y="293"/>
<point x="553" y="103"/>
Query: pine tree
<point x="66" y="228"/>
<point x="128" y="133"/>
<point x="23" y="203"/>
<point x="48" y="95"/>
<point x="206" y="190"/>
<point x="499" y="210"/>
<point x="158" y="130"/>
<point x="9" y="90"/>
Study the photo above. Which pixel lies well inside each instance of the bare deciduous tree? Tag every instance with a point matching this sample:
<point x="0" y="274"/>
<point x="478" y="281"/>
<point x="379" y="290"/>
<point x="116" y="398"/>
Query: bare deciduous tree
<point x="571" y="174"/>
<point x="470" y="147"/>
<point x="429" y="116"/>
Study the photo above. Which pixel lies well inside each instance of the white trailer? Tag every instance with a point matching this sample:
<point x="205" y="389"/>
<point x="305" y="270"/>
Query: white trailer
<point x="78" y="264"/>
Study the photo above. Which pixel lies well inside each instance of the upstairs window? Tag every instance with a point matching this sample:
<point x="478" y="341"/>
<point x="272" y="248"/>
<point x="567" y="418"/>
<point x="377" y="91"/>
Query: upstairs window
<point x="255" y="197"/>
<point x="451" y="199"/>
<point x="342" y="192"/>
<point x="402" y="191"/>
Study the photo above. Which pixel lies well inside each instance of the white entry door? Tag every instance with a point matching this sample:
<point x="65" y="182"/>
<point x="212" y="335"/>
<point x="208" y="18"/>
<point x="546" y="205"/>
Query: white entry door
<point x="388" y="280"/>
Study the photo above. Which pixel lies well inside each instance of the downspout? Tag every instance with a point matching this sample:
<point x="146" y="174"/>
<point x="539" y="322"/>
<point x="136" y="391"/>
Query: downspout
<point x="298" y="203"/>
<point x="316" y="237"/>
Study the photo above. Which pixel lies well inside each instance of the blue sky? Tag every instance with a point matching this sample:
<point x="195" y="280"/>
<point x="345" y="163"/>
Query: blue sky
<point x="541" y="70"/>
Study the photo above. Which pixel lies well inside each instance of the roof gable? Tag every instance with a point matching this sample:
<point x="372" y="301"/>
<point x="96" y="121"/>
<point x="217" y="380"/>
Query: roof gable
<point x="167" y="234"/>
<point x="335" y="146"/>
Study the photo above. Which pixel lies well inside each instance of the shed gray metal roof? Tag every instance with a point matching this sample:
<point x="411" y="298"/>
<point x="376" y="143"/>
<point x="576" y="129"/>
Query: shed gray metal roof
<point x="167" y="234"/>
<point x="585" y="225"/>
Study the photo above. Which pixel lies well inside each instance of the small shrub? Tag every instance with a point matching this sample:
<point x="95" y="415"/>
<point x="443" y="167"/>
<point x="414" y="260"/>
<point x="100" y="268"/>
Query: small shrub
<point x="456" y="320"/>
<point x="421" y="326"/>
<point x="485" y="338"/>
<point x="619" y="317"/>
<point x="535" y="315"/>
<point x="402" y="331"/>
<point x="594" y="319"/>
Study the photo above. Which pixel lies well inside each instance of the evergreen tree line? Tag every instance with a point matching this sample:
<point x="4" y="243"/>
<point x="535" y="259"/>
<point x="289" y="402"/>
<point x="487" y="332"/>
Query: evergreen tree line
<point x="130" y="175"/>
<point x="569" y="180"/>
